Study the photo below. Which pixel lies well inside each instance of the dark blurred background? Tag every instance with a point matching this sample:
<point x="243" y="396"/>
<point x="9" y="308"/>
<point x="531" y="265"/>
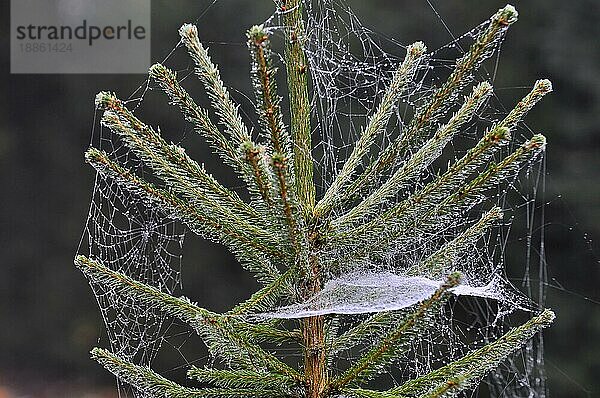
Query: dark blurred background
<point x="48" y="317"/>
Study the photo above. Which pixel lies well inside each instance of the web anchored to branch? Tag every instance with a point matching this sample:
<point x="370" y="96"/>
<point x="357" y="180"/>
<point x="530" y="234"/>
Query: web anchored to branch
<point x="385" y="266"/>
<point x="140" y="241"/>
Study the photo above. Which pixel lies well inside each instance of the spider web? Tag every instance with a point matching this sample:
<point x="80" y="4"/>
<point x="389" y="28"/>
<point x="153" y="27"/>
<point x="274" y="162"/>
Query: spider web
<point x="351" y="66"/>
<point x="140" y="241"/>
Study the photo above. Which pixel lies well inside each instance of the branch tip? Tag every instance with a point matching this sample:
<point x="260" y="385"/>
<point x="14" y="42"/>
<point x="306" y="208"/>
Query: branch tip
<point x="257" y="34"/>
<point x="495" y="213"/>
<point x="157" y="71"/>
<point x="417" y="49"/>
<point x="105" y="99"/>
<point x="507" y="15"/>
<point x="482" y="89"/>
<point x="188" y="31"/>
<point x="543" y="85"/>
<point x="537" y="141"/>
<point x="546" y="318"/>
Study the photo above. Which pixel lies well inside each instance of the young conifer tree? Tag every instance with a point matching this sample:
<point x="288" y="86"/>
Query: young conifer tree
<point x="280" y="234"/>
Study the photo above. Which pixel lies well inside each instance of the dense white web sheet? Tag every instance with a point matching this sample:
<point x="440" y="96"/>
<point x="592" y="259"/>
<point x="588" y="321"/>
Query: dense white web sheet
<point x="363" y="293"/>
